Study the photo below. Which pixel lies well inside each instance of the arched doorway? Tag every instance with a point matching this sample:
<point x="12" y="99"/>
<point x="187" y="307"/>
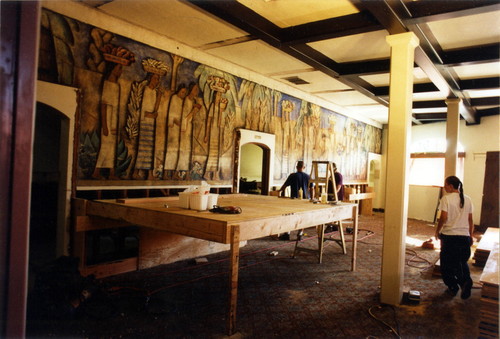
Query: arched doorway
<point x="253" y="169"/>
<point x="253" y="154"/>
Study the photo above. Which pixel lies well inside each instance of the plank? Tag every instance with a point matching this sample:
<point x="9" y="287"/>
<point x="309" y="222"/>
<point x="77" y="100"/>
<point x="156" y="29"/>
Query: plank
<point x="146" y="200"/>
<point x="490" y="271"/>
<point x="109" y="269"/>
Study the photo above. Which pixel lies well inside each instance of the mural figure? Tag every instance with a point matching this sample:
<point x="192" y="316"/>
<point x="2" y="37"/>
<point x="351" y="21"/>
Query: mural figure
<point x="276" y="128"/>
<point x="116" y="58"/>
<point x="214" y="124"/>
<point x="161" y="121"/>
<point x="147" y="118"/>
<point x="199" y="147"/>
<point x="189" y="109"/>
<point x="287" y="107"/>
<point x="316" y="133"/>
<point x="256" y="104"/>
<point x="174" y="132"/>
<point x="219" y="99"/>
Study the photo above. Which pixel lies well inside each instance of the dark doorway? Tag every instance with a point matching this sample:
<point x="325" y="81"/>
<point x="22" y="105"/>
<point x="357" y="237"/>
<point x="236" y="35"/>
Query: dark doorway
<point x="45" y="185"/>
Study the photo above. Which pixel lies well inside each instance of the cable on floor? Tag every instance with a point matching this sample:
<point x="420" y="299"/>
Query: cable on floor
<point x="418" y="262"/>
<point x="393" y="330"/>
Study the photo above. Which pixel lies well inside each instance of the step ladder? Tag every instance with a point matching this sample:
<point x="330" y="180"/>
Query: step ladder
<point x="321" y="176"/>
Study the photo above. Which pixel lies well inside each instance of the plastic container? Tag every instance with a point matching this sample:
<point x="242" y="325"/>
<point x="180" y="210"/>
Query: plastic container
<point x="184" y="199"/>
<point x="324" y="198"/>
<point x="198" y="202"/>
<point x="212" y="200"/>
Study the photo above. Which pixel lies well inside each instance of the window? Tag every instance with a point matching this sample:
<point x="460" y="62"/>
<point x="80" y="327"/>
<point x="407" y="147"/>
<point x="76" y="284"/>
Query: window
<point x="427" y="163"/>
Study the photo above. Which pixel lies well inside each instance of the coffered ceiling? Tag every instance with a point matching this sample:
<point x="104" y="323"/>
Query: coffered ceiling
<point x="336" y="50"/>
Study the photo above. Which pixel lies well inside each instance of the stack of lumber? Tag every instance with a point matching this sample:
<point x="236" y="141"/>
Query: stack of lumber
<point x="488" y="241"/>
<point x="488" y="326"/>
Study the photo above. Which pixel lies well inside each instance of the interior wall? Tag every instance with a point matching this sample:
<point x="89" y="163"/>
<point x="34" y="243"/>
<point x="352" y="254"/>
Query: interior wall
<point x="423" y="202"/>
<point x="476" y="140"/>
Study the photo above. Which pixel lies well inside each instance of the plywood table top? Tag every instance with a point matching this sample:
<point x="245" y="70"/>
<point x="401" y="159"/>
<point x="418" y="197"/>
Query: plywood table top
<point x="261" y="215"/>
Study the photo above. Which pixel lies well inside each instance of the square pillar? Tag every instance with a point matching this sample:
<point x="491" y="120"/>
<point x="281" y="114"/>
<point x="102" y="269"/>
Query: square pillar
<point x="396" y="204"/>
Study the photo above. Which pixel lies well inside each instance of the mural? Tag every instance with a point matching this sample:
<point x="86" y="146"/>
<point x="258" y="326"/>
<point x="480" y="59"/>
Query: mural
<point x="147" y="114"/>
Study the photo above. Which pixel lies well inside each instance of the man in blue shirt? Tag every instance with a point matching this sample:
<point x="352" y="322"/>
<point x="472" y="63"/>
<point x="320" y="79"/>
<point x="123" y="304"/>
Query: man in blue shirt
<point x="296" y="181"/>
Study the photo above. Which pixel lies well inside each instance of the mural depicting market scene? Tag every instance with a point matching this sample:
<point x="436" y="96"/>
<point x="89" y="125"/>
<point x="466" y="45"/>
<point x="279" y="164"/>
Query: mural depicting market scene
<point x="146" y="114"/>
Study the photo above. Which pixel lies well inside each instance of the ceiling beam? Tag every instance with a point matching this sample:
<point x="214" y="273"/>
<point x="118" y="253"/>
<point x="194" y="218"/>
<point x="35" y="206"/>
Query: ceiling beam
<point x="391" y="14"/>
<point x="483" y="83"/>
<point x="383" y="91"/>
<point x="472" y="56"/>
<point x="489" y="111"/>
<point x="459" y="57"/>
<point x="362" y="22"/>
<point x="488" y="101"/>
<point x="425" y="11"/>
<point x="430" y="116"/>
<point x="429" y="104"/>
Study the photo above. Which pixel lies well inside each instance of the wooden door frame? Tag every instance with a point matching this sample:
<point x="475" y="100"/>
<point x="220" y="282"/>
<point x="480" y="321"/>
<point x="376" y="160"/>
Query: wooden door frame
<point x="20" y="26"/>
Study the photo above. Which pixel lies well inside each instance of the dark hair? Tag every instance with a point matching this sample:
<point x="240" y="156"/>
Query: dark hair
<point x="457" y="184"/>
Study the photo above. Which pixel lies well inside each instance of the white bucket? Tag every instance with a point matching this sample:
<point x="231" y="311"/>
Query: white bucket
<point x="212" y="200"/>
<point x="184" y="199"/>
<point x="198" y="201"/>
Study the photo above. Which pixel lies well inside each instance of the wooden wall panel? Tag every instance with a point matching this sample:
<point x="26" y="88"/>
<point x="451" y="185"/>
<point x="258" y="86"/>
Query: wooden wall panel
<point x="489" y="207"/>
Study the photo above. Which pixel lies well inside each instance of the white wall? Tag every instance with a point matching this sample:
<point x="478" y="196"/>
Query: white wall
<point x="476" y="140"/>
<point x="423" y="201"/>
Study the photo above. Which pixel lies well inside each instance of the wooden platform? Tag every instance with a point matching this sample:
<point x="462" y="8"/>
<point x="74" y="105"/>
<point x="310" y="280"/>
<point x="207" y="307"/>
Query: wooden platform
<point x="488" y="327"/>
<point x="488" y="241"/>
<point x="261" y="216"/>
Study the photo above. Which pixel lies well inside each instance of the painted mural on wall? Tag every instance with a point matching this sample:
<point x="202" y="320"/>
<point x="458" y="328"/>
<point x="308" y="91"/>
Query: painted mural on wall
<point x="148" y="114"/>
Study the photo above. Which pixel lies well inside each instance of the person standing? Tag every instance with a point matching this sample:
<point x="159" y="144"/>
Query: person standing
<point x="297" y="181"/>
<point x="455" y="230"/>
<point x="339" y="182"/>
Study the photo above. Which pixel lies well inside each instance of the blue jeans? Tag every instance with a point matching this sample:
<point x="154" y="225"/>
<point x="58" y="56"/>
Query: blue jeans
<point x="455" y="253"/>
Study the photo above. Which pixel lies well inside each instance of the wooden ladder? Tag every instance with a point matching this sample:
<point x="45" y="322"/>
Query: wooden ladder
<point x="323" y="181"/>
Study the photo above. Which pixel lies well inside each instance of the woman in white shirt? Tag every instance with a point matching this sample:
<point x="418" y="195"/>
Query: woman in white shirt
<point x="455" y="229"/>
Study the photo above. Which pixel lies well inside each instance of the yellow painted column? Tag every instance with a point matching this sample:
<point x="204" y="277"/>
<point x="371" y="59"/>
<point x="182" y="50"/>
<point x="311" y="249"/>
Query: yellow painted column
<point x="398" y="156"/>
<point x="452" y="126"/>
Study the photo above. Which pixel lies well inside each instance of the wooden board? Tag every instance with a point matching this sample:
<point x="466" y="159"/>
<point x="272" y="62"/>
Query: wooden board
<point x="488" y="326"/>
<point x="488" y="241"/>
<point x="490" y="271"/>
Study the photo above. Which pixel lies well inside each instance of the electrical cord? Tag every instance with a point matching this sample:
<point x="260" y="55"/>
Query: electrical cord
<point x="419" y="262"/>
<point x="393" y="330"/>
